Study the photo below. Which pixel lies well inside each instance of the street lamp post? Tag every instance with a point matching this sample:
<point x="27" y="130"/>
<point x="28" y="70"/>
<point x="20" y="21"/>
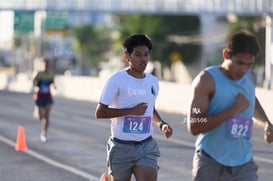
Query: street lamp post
<point x="268" y="51"/>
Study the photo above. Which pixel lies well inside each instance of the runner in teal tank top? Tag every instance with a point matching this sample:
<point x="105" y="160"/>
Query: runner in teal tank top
<point x="221" y="114"/>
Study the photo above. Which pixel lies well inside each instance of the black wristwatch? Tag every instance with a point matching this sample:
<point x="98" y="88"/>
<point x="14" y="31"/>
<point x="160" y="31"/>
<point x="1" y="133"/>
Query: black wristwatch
<point x="161" y="124"/>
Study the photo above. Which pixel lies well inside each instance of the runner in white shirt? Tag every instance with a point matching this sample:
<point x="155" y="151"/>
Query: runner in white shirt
<point x="128" y="99"/>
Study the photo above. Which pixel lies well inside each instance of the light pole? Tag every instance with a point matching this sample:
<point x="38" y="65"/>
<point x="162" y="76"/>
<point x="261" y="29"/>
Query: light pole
<point x="268" y="51"/>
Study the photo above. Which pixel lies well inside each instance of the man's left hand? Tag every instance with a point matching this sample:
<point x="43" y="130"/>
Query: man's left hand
<point x="167" y="130"/>
<point x="268" y="133"/>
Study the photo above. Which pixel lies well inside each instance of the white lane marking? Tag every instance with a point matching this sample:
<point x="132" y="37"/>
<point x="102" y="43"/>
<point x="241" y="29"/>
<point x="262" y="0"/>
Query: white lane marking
<point x="261" y="159"/>
<point x="53" y="162"/>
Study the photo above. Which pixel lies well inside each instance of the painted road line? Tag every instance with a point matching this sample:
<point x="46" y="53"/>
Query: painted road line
<point x="53" y="162"/>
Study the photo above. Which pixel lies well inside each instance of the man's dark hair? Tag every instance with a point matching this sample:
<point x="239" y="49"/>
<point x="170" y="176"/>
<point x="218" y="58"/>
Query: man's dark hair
<point x="137" y="40"/>
<point x="243" y="42"/>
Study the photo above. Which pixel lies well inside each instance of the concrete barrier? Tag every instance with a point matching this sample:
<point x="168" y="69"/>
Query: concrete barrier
<point x="173" y="97"/>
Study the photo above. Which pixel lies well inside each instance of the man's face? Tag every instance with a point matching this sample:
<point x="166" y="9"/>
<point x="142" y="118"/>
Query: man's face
<point x="239" y="64"/>
<point x="139" y="58"/>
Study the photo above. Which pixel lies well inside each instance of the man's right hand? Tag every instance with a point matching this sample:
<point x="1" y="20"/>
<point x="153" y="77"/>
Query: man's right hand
<point x="240" y="103"/>
<point x="139" y="109"/>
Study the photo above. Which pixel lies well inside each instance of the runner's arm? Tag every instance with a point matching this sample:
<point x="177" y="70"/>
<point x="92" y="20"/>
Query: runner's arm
<point x="165" y="127"/>
<point x="203" y="90"/>
<point x="36" y="79"/>
<point x="105" y="111"/>
<point x="262" y="119"/>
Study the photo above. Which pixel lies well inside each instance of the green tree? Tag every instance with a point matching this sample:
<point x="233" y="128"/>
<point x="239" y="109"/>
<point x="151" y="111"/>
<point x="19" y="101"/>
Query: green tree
<point x="159" y="28"/>
<point x="92" y="44"/>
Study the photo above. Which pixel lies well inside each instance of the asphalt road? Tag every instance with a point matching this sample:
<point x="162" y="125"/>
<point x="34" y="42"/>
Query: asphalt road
<point x="76" y="147"/>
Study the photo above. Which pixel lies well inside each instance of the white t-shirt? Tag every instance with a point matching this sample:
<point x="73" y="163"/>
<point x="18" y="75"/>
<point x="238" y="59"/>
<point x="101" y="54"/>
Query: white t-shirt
<point x="124" y="91"/>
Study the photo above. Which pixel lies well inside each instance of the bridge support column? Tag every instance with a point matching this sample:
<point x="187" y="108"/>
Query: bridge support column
<point x="268" y="52"/>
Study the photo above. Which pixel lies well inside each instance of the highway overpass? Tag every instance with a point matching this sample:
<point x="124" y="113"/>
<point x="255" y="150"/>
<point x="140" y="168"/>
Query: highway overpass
<point x="215" y="7"/>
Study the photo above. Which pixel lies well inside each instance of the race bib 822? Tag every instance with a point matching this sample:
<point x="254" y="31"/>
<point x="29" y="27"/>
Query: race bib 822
<point x="239" y="128"/>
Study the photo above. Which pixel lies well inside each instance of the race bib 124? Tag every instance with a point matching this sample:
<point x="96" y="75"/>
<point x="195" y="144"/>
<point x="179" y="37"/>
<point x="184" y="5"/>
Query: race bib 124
<point x="138" y="125"/>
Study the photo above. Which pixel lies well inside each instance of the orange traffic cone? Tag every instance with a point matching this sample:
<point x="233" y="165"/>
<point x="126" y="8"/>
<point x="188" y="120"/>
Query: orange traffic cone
<point x="21" y="144"/>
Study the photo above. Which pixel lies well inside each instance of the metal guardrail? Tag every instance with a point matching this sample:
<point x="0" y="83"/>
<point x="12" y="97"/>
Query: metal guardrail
<point x="215" y="7"/>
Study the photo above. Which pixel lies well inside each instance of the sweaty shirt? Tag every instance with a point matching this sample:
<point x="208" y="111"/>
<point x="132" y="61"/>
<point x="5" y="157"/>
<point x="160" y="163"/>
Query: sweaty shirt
<point x="229" y="143"/>
<point x="125" y="91"/>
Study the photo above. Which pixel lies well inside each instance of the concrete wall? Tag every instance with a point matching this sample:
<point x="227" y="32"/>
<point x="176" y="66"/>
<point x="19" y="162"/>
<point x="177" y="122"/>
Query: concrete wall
<point x="173" y="97"/>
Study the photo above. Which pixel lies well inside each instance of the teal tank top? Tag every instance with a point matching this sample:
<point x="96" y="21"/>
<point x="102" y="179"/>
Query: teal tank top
<point x="227" y="150"/>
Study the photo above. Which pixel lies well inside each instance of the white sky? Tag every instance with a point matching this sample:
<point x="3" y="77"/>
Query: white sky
<point x="6" y="29"/>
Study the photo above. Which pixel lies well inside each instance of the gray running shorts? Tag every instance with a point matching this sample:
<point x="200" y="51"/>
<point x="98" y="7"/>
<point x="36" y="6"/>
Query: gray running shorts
<point x="206" y="168"/>
<point x="122" y="156"/>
